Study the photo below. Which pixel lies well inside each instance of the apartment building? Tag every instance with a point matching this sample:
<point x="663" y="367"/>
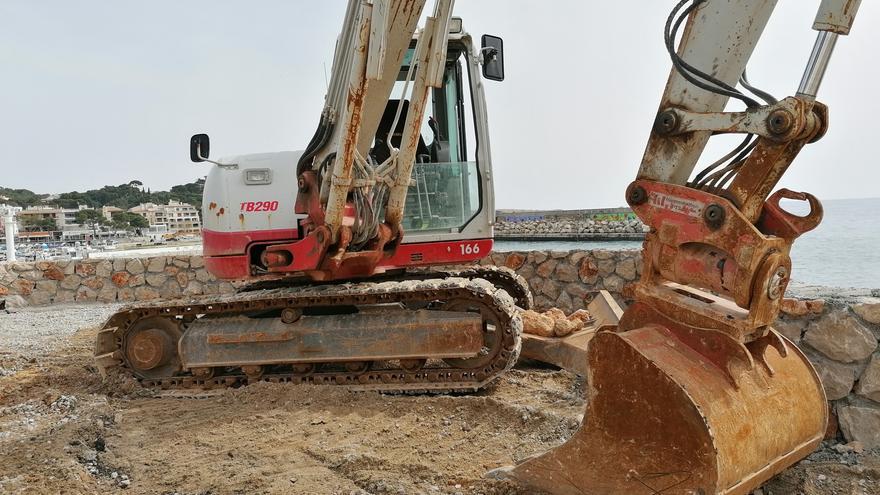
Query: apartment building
<point x="181" y="218"/>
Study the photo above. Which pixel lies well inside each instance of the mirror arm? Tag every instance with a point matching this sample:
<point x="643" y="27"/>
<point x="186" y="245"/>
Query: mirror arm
<point x="231" y="166"/>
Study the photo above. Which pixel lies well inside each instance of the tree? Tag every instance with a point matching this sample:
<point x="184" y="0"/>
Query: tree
<point x="38" y="224"/>
<point x="124" y="220"/>
<point x="91" y="219"/>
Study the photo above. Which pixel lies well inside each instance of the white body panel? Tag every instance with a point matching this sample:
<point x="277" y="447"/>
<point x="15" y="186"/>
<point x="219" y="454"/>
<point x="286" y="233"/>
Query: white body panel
<point x="228" y="196"/>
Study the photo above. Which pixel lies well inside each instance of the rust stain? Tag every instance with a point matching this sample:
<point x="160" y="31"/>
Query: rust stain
<point x="212" y="205"/>
<point x="220" y="211"/>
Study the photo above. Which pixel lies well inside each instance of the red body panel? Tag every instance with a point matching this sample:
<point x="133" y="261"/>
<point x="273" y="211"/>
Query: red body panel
<point x="236" y="243"/>
<point x="226" y="253"/>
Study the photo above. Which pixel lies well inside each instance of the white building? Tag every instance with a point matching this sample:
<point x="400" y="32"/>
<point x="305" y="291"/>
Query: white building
<point x="180" y="218"/>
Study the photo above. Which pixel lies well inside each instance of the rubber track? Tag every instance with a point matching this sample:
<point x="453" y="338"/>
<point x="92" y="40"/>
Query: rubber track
<point x="109" y="344"/>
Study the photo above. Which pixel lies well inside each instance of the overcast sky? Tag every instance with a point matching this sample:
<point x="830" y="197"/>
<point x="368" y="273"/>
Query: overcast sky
<point x="95" y="93"/>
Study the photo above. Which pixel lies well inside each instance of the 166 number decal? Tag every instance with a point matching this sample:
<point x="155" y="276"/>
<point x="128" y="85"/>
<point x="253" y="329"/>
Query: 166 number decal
<point x="470" y="248"/>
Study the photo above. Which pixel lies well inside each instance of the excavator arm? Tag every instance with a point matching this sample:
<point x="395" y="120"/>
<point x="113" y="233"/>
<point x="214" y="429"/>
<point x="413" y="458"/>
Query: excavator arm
<point x="336" y="172"/>
<point x="694" y="391"/>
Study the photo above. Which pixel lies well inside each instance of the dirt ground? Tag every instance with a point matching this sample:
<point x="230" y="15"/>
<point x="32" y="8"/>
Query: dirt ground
<point x="63" y="430"/>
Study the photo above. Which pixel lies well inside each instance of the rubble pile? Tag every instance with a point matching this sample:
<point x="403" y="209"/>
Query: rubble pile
<point x="554" y="322"/>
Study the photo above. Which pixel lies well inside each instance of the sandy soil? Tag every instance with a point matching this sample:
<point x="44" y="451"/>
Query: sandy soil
<point x="63" y="430"/>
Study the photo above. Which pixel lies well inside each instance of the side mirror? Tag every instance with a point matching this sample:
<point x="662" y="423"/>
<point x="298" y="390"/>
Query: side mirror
<point x="199" y="147"/>
<point x="493" y="57"/>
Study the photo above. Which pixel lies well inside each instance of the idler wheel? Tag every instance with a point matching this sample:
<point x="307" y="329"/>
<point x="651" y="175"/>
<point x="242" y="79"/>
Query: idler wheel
<point x="150" y="348"/>
<point x="493" y="337"/>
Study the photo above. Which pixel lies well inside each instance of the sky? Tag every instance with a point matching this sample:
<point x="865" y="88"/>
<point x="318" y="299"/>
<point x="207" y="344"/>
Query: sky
<point x="95" y="93"/>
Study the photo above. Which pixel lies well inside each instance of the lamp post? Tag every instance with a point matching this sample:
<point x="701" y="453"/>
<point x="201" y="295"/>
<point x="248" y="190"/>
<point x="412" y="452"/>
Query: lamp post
<point x="8" y="213"/>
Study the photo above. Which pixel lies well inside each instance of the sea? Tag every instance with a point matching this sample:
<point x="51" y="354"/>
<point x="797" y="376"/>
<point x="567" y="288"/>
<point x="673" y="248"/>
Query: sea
<point x="843" y="251"/>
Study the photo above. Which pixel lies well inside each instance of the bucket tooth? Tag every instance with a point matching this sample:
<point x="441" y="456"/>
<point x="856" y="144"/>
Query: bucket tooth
<point x="664" y="418"/>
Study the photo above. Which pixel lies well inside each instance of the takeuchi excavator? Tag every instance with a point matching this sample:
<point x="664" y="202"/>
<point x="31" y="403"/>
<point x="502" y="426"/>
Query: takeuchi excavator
<point x="692" y="391"/>
<point x="336" y="241"/>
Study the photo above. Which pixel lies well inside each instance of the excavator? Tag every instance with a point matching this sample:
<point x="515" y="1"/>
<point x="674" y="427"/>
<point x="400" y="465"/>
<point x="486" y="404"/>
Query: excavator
<point x="690" y="389"/>
<point x="342" y="285"/>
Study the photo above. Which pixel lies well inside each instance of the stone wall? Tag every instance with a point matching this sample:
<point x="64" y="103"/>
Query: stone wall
<point x="563" y="279"/>
<point x="133" y="279"/>
<point x="840" y="337"/>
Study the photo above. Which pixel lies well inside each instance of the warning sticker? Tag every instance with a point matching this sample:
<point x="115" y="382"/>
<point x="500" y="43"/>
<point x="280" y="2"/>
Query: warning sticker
<point x="675" y="204"/>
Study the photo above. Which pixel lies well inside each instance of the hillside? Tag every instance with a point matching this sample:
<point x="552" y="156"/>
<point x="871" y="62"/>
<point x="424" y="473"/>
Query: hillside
<point x="123" y="196"/>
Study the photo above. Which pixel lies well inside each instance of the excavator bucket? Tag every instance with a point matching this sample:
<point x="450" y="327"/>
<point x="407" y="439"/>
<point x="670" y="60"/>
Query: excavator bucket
<point x="668" y="415"/>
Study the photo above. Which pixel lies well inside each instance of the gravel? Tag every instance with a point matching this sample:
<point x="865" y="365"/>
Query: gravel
<point x="33" y="331"/>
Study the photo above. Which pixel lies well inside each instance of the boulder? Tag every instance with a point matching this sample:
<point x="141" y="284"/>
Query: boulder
<point x="65" y="296"/>
<point x="203" y="275"/>
<point x="125" y="294"/>
<point x="107" y="294"/>
<point x="564" y="301"/>
<point x="137" y="280"/>
<point x="71" y="281"/>
<point x="182" y="279"/>
<point x="793" y="329"/>
<point x="588" y="271"/>
<point x="841" y="337"/>
<point x="145" y="293"/>
<point x="24" y="287"/>
<point x="49" y="287"/>
<point x="566" y="272"/>
<point x="94" y="283"/>
<point x="860" y="424"/>
<point x="614" y="283"/>
<point x="84" y="293"/>
<point x="606" y="267"/>
<point x="120" y="279"/>
<point x="194" y="289"/>
<point x="196" y="262"/>
<point x="837" y="378"/>
<point x="135" y="267"/>
<point x="119" y="264"/>
<point x="546" y="268"/>
<point x="39" y="298"/>
<point x="52" y="272"/>
<point x="627" y="269"/>
<point x="156" y="265"/>
<point x="537" y="324"/>
<point x="869" y="312"/>
<point x="86" y="269"/>
<point x="15" y="302"/>
<point x="180" y="262"/>
<point x="537" y="257"/>
<point x="104" y="269"/>
<point x="869" y="383"/>
<point x="514" y="260"/>
<point x="794" y="307"/>
<point x="156" y="279"/>
<point x="564" y="327"/>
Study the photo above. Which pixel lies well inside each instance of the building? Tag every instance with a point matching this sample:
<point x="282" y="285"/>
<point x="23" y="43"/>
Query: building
<point x="181" y="218"/>
<point x="109" y="211"/>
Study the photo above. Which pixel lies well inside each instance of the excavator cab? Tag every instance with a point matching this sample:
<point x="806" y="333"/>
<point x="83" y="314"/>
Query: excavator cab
<point x="447" y="178"/>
